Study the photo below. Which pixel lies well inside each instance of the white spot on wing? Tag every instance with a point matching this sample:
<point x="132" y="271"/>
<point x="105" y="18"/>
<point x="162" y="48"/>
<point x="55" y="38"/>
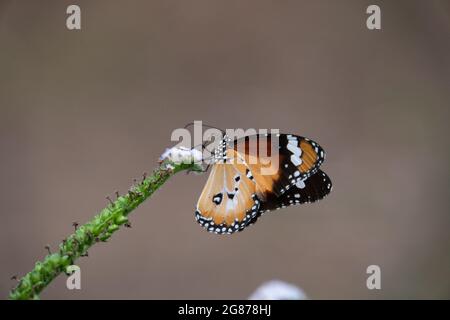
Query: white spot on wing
<point x="296" y="160"/>
<point x="300" y="184"/>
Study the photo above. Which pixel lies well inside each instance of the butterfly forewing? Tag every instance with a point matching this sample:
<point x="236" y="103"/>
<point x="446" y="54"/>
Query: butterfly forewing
<point x="278" y="161"/>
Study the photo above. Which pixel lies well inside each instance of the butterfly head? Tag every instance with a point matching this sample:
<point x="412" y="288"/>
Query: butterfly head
<point x="220" y="152"/>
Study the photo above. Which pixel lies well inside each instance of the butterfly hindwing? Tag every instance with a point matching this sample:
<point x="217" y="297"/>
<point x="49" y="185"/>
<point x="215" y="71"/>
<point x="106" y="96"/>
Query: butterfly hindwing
<point x="228" y="201"/>
<point x="312" y="189"/>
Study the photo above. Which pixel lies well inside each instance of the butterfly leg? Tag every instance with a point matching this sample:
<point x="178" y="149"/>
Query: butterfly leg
<point x="202" y="171"/>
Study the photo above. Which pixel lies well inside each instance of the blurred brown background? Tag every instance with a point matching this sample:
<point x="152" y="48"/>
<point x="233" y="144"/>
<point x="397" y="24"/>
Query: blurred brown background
<point x="85" y="112"/>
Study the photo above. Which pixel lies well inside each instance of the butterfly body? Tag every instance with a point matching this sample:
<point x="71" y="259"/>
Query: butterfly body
<point x="257" y="174"/>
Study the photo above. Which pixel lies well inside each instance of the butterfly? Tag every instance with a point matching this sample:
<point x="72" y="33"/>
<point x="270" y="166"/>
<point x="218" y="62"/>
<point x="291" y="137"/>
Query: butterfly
<point x="257" y="174"/>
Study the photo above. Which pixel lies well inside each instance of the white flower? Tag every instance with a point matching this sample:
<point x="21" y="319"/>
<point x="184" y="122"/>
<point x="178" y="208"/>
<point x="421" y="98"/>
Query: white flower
<point x="278" y="290"/>
<point x="180" y="155"/>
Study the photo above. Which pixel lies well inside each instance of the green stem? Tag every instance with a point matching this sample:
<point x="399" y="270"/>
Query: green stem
<point x="100" y="228"/>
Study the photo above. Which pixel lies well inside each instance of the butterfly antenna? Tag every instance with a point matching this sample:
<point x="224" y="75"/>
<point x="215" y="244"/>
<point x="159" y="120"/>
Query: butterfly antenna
<point x="190" y="124"/>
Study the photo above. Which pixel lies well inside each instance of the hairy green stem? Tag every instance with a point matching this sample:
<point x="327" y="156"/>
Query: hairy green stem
<point x="99" y="229"/>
